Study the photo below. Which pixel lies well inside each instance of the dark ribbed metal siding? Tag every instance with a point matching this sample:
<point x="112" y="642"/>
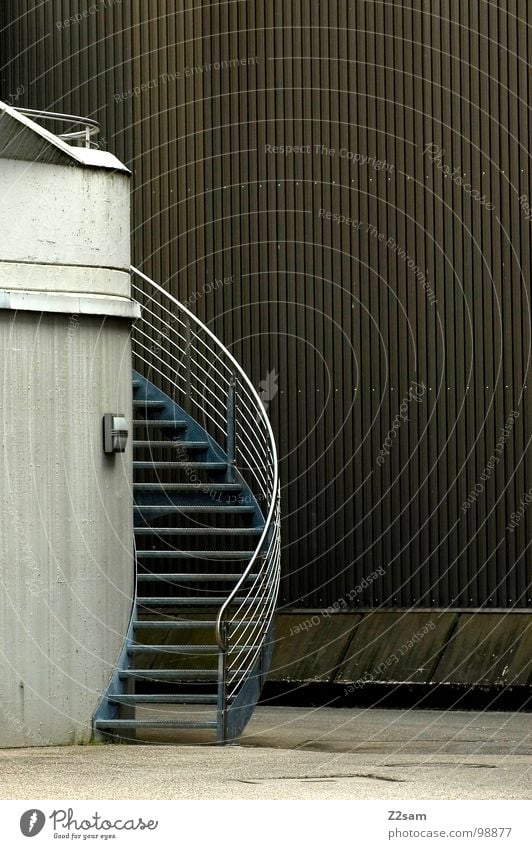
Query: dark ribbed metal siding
<point x="335" y="311"/>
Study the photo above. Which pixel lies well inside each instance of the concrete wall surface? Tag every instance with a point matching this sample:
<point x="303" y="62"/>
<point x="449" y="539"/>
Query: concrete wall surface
<point x="66" y="518"/>
<point x="60" y="215"/>
<point x="66" y="561"/>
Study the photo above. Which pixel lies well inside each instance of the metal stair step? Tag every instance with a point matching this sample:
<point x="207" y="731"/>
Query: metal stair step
<point x="168" y="648"/>
<point x="171" y="674"/>
<point x="196" y="508"/>
<point x="154" y="723"/>
<point x="190" y="445"/>
<point x="179" y="464"/>
<point x="178" y="424"/>
<point x="198" y="531"/>
<point x="198" y="555"/>
<point x="139" y="648"/>
<point x="185" y="577"/>
<point x="173" y="624"/>
<point x="205" y="487"/>
<point x="193" y="601"/>
<point x="183" y="624"/>
<point x="149" y="405"/>
<point x="163" y="699"/>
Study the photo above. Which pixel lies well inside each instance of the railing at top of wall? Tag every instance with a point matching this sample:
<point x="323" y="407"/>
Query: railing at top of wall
<point x="87" y="127"/>
<point x="209" y="382"/>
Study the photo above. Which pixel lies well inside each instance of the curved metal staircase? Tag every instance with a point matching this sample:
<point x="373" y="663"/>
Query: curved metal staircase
<point x="207" y="523"/>
<point x="207" y="534"/>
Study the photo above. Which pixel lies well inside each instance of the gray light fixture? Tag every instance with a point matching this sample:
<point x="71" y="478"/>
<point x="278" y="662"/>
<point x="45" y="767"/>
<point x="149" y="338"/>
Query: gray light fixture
<point x="115" y="433"/>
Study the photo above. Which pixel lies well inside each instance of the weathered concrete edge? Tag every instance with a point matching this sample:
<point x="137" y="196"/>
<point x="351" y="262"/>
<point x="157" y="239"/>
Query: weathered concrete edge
<point x="69" y="303"/>
<point x="482" y="649"/>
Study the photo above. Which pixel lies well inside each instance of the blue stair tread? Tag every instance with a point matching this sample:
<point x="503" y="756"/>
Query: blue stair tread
<point x="190" y="576"/>
<point x="205" y="487"/>
<point x="201" y="555"/>
<point x="185" y="624"/>
<point x="199" y="531"/>
<point x="170" y="423"/>
<point x="168" y="648"/>
<point x="173" y="649"/>
<point x="196" y="508"/>
<point x="155" y="723"/>
<point x="193" y="601"/>
<point x="188" y="444"/>
<point x="163" y="699"/>
<point x="180" y="674"/>
<point x="150" y="405"/>
<point x="179" y="464"/>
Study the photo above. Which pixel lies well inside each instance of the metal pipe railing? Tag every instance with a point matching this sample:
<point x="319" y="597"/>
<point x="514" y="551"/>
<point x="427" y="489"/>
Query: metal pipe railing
<point x="89" y="128"/>
<point x="208" y="378"/>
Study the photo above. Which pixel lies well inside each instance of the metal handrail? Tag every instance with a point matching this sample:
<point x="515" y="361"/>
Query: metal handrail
<point x="165" y="321"/>
<point x="89" y="129"/>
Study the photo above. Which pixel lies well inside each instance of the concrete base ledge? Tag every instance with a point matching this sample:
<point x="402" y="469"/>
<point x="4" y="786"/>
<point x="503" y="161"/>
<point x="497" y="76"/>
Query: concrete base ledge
<point x="417" y="647"/>
<point x="76" y="279"/>
<point x="67" y="302"/>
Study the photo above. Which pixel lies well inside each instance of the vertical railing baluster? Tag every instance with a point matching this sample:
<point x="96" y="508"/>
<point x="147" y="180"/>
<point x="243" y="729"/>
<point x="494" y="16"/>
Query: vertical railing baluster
<point x="221" y="731"/>
<point x="231" y="431"/>
<point x="188" y="357"/>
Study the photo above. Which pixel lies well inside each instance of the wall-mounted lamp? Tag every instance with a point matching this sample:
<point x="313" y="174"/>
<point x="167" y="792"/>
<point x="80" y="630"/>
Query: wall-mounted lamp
<point x="115" y="433"/>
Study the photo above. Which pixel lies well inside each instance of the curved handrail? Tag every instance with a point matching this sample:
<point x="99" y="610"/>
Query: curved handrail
<point x="90" y="128"/>
<point x="262" y="594"/>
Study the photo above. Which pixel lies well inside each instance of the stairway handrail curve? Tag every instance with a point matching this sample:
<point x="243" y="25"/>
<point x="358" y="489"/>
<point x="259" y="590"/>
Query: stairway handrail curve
<point x="90" y="126"/>
<point x="273" y="507"/>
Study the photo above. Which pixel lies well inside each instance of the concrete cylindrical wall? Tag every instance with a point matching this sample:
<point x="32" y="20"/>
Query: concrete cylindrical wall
<point x="67" y="565"/>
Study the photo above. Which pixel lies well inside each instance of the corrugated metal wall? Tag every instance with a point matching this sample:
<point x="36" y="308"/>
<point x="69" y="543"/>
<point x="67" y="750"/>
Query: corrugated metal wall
<point x="382" y="270"/>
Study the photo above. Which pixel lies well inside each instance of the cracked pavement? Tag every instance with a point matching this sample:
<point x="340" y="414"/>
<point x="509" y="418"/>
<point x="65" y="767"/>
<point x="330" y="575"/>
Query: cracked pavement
<point x="296" y="753"/>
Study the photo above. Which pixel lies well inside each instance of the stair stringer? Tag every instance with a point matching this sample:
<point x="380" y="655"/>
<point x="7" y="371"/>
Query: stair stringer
<point x="116" y="686"/>
<point x="241" y="709"/>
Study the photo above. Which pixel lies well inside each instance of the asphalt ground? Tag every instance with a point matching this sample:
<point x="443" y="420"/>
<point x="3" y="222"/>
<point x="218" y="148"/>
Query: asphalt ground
<point x="295" y="753"/>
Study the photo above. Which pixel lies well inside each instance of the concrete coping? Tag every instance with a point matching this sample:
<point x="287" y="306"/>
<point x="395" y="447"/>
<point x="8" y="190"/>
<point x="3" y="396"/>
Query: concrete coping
<point x="67" y="302"/>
